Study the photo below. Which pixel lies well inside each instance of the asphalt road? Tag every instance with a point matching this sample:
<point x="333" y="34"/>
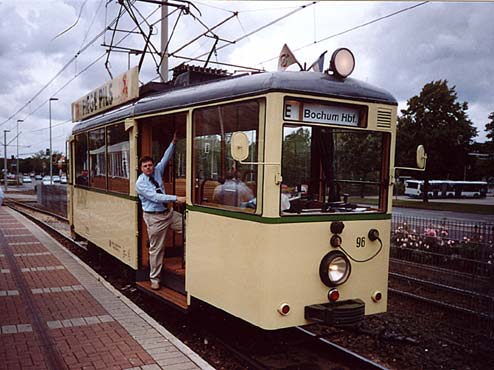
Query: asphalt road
<point x="460" y="216"/>
<point x="457" y="216"/>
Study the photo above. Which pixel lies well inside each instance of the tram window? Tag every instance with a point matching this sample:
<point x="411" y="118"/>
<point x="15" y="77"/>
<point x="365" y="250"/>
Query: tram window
<point x="118" y="158"/>
<point x="329" y="169"/>
<point x="97" y="159"/>
<point x="220" y="181"/>
<point x="81" y="160"/>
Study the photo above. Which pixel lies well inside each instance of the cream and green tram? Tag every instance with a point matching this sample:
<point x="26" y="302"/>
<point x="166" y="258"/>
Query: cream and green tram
<point x="287" y="177"/>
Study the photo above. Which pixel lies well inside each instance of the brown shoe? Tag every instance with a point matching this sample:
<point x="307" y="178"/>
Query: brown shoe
<point x="155" y="286"/>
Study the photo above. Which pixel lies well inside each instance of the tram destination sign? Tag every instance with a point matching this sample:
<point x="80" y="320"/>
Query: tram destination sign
<point x="120" y="90"/>
<point x="321" y="113"/>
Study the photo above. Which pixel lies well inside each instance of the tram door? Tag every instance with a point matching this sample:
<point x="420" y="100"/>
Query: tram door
<point x="156" y="135"/>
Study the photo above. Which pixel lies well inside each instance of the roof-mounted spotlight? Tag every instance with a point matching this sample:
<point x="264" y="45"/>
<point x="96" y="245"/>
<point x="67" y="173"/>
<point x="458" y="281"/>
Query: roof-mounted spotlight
<point x="342" y="62"/>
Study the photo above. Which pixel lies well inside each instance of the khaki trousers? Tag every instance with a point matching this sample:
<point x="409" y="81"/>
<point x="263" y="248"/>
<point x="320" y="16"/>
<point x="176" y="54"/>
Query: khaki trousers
<point x="157" y="225"/>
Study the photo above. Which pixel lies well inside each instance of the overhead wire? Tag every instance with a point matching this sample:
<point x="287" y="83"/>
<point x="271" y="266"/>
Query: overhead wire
<point x="244" y="10"/>
<point x="75" y="23"/>
<point x="351" y="29"/>
<point x="94" y="39"/>
<point x="368" y="23"/>
<point x="80" y="51"/>
<point x="147" y="38"/>
<point x="302" y="7"/>
<point x="77" y="75"/>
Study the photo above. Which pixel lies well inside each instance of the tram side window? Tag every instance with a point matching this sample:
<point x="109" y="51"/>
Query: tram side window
<point x="97" y="159"/>
<point x="81" y="160"/>
<point x="327" y="170"/>
<point x="220" y="181"/>
<point x="118" y="158"/>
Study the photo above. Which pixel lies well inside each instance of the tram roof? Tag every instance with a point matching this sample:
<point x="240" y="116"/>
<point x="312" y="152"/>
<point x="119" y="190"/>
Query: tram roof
<point x="313" y="83"/>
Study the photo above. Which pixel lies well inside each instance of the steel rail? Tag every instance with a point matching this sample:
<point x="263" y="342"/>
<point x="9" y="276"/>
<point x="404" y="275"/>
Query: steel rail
<point x="48" y="213"/>
<point x="442" y="286"/>
<point x="438" y="269"/>
<point x="47" y="226"/>
<point x="354" y="360"/>
<point x="489" y="317"/>
<point x="449" y="257"/>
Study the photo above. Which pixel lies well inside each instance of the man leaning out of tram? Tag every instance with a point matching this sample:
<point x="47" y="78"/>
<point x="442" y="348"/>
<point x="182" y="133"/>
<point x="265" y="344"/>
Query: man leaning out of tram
<point x="157" y="216"/>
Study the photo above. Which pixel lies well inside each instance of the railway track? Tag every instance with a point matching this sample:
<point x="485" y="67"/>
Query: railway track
<point x="293" y="348"/>
<point x="296" y="348"/>
<point x="456" y="291"/>
<point x="55" y="222"/>
<point x="444" y="274"/>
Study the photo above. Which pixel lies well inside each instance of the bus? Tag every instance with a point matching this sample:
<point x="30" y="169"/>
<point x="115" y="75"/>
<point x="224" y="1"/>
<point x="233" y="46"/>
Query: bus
<point x="302" y="235"/>
<point x="447" y="189"/>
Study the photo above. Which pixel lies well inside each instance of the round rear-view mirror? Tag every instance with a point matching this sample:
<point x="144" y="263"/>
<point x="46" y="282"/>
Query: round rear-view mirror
<point x="239" y="146"/>
<point x="421" y="157"/>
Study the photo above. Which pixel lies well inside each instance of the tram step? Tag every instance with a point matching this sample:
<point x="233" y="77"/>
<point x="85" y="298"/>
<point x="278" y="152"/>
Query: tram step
<point x="165" y="294"/>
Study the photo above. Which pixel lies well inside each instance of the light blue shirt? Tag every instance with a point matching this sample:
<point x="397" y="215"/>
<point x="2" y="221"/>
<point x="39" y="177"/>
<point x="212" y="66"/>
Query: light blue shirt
<point x="151" y="200"/>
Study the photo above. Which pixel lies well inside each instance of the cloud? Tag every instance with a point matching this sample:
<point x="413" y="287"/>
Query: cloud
<point x="400" y="53"/>
<point x="439" y="41"/>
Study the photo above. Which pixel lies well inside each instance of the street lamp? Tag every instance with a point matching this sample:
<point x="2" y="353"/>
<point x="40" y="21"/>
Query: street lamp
<point x="5" y="159"/>
<point x="51" y="152"/>
<point x="17" y="156"/>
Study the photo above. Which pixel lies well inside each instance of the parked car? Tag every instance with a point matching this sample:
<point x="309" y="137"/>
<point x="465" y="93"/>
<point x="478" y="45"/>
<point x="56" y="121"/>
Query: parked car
<point x="26" y="179"/>
<point x="46" y="180"/>
<point x="56" y="178"/>
<point x="38" y="177"/>
<point x="63" y="179"/>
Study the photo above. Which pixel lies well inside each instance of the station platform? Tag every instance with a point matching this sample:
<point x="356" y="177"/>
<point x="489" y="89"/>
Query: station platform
<point x="57" y="313"/>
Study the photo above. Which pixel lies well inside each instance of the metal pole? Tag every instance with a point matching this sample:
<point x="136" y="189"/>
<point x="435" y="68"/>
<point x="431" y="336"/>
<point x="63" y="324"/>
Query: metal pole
<point x="17" y="156"/>
<point x="51" y="151"/>
<point x="5" y="159"/>
<point x="164" y="41"/>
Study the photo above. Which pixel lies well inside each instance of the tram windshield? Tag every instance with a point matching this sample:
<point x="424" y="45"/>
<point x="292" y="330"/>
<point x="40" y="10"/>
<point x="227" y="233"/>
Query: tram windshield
<point x="328" y="170"/>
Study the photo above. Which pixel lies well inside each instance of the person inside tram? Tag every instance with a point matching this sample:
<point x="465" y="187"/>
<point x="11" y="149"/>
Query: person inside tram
<point x="233" y="191"/>
<point x="83" y="178"/>
<point x="285" y="198"/>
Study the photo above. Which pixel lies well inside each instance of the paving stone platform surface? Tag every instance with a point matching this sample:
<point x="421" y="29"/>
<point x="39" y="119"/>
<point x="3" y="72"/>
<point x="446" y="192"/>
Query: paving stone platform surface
<point x="57" y="313"/>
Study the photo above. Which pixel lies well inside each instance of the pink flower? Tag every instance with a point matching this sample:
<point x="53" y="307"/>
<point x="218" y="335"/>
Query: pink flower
<point x="431" y="232"/>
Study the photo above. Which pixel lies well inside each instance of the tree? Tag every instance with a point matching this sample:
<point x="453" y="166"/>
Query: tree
<point x="39" y="162"/>
<point x="296" y="156"/>
<point x="489" y="127"/>
<point x="438" y="121"/>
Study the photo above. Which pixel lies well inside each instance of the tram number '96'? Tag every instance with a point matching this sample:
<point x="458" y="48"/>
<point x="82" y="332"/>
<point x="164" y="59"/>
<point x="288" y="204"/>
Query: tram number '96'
<point x="361" y="242"/>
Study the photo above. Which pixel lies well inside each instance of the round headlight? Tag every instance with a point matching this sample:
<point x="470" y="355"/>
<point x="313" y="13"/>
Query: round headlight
<point x="342" y="62"/>
<point x="334" y="269"/>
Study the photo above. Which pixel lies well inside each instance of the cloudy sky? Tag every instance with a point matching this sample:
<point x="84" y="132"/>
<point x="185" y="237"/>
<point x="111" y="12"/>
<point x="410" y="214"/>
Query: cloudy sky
<point x="55" y="48"/>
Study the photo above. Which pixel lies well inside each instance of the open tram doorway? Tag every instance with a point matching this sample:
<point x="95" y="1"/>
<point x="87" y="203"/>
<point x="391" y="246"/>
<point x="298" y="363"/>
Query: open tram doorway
<point x="155" y="134"/>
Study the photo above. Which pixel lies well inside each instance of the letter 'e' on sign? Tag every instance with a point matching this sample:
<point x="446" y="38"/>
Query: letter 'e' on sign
<point x="118" y="91"/>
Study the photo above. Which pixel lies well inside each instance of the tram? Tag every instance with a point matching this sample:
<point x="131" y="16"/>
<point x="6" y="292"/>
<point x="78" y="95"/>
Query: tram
<point x="301" y="237"/>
